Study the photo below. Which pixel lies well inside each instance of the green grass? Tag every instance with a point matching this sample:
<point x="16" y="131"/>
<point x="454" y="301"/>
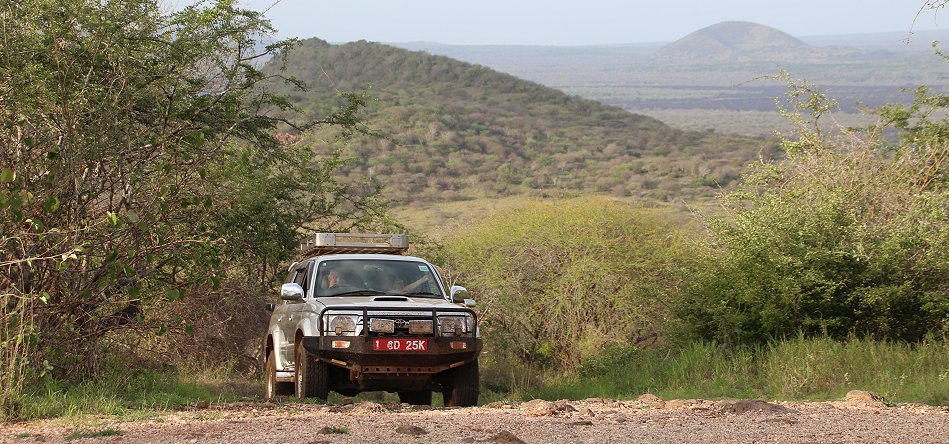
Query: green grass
<point x="794" y="369"/>
<point x="132" y="394"/>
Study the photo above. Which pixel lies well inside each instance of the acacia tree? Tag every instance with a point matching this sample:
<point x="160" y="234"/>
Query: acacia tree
<point x="138" y="162"/>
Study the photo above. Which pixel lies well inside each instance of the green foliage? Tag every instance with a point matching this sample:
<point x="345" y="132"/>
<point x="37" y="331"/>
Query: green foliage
<point x="562" y="281"/>
<point x="139" y="168"/>
<point x="847" y="236"/>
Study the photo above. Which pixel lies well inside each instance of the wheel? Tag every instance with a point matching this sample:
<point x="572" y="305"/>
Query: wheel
<point x="273" y="387"/>
<point x="461" y="386"/>
<point x="311" y="376"/>
<point x="419" y="397"/>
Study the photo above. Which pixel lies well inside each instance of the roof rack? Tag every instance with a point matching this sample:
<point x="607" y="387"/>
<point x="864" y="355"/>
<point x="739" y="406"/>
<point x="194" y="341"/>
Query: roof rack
<point x="349" y="243"/>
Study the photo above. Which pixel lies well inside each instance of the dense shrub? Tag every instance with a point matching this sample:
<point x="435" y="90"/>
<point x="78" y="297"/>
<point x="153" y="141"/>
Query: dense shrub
<point x="849" y="235"/>
<point x="561" y="281"/>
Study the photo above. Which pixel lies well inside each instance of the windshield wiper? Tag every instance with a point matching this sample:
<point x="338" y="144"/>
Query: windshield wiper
<point x="417" y="293"/>
<point x="363" y="292"/>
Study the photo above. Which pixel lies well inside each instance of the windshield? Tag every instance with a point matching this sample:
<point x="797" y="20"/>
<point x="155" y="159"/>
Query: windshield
<point x="367" y="277"/>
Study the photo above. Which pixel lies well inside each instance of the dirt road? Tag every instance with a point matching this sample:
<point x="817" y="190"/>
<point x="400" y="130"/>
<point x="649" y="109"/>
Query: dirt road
<point x="591" y="421"/>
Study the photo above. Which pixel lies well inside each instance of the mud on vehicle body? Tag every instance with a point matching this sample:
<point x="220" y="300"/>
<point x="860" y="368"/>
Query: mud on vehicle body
<point x="358" y="316"/>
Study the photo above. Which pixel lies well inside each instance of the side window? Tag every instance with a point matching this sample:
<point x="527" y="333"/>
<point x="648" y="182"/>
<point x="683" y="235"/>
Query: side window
<point x="302" y="277"/>
<point x="298" y="277"/>
<point x="439" y="278"/>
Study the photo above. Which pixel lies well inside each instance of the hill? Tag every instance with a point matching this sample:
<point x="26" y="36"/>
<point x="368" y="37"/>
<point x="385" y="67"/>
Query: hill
<point x="461" y="131"/>
<point x="743" y="41"/>
<point x="699" y="92"/>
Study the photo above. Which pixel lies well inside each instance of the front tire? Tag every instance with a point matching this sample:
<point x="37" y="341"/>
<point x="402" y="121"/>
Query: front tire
<point x="462" y="386"/>
<point x="419" y="397"/>
<point x="311" y="376"/>
<point x="274" y="388"/>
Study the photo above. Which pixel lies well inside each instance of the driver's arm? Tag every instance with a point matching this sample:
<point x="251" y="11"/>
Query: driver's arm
<point x="414" y="285"/>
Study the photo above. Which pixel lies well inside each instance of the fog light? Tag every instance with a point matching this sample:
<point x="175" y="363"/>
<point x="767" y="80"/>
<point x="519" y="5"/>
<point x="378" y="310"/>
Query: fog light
<point x="340" y="344"/>
<point x="342" y="324"/>
<point x="420" y="327"/>
<point x="381" y="325"/>
<point x="459" y="345"/>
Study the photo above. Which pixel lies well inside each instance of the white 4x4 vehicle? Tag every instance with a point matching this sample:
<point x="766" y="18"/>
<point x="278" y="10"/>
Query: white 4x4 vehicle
<point x="358" y="316"/>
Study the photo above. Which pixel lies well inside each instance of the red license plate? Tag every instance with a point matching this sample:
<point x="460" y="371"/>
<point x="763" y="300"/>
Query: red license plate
<point x="407" y="345"/>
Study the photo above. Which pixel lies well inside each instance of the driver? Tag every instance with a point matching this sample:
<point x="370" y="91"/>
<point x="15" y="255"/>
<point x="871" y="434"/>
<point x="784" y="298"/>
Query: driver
<point x="336" y="281"/>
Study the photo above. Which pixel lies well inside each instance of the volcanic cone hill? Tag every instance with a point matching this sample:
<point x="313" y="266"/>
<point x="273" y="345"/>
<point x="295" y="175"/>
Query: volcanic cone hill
<point x="743" y="41"/>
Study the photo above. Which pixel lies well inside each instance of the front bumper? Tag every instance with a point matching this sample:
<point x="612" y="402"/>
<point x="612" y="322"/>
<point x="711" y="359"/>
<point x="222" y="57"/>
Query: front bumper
<point x="360" y="358"/>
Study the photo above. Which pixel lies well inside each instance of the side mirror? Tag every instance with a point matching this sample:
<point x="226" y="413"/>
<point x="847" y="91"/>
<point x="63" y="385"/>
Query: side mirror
<point x="270" y="306"/>
<point x="459" y="294"/>
<point x="291" y="292"/>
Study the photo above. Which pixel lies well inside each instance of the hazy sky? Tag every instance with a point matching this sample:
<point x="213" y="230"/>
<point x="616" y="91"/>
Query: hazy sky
<point x="573" y="22"/>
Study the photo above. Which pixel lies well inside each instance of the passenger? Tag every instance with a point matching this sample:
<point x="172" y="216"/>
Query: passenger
<point x="398" y="285"/>
<point x="414" y="282"/>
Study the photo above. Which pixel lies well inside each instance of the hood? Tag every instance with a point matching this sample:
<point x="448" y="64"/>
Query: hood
<point x="385" y="302"/>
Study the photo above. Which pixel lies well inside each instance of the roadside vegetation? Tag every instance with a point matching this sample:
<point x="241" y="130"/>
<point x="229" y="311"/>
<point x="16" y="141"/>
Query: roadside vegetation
<point x="135" y="393"/>
<point x="564" y="281"/>
<point x="798" y="368"/>
<point x="145" y="198"/>
<point x="149" y="204"/>
<point x="821" y="273"/>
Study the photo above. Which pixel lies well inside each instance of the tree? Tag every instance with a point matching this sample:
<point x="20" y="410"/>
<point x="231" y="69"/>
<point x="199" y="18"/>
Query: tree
<point x="138" y="163"/>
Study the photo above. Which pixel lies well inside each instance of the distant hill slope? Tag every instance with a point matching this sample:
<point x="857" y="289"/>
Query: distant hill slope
<point x="699" y="92"/>
<point x="743" y="41"/>
<point x="461" y="131"/>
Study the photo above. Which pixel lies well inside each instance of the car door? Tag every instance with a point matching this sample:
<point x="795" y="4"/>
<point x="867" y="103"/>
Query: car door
<point x="290" y="312"/>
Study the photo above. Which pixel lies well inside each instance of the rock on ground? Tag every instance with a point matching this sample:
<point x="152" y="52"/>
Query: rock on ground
<point x="755" y="406"/>
<point x="595" y="421"/>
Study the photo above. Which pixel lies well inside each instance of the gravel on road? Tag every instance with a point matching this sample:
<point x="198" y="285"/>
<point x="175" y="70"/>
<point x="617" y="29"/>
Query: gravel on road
<point x="594" y="420"/>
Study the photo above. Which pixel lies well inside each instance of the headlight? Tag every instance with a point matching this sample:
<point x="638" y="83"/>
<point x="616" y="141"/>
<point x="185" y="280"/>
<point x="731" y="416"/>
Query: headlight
<point x="342" y="325"/>
<point x="455" y="325"/>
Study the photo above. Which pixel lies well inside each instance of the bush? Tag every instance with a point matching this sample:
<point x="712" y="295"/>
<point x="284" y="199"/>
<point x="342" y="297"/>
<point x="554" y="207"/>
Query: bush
<point x="562" y="281"/>
<point x="848" y="235"/>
